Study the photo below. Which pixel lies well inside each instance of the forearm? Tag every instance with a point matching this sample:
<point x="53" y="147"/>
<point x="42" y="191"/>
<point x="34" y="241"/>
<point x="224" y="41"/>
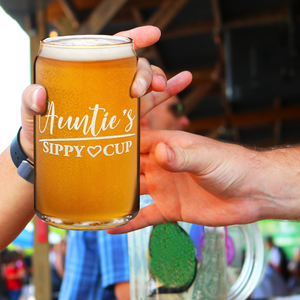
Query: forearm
<point x="122" y="290"/>
<point x="16" y="200"/>
<point x="19" y="275"/>
<point x="59" y="265"/>
<point x="278" y="186"/>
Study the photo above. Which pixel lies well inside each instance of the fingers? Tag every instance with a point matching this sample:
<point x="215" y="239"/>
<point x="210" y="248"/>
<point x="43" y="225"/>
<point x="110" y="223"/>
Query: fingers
<point x="142" y="36"/>
<point x="143" y="185"/>
<point x="159" y="80"/>
<point x="150" y="138"/>
<point x="174" y="86"/>
<point x="151" y="80"/>
<point x="147" y="78"/>
<point x="199" y="159"/>
<point x="143" y="79"/>
<point x="147" y="216"/>
<point x="177" y="151"/>
<point x="176" y="159"/>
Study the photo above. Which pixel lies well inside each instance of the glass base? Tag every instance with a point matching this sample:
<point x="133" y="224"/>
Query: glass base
<point x="80" y="225"/>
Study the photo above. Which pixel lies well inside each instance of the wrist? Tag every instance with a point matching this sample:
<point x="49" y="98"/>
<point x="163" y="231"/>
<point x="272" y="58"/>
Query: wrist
<point x="20" y="159"/>
<point x="26" y="145"/>
<point x="280" y="187"/>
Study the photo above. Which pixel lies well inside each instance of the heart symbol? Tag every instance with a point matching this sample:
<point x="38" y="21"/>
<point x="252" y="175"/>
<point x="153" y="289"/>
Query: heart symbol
<point x="93" y="148"/>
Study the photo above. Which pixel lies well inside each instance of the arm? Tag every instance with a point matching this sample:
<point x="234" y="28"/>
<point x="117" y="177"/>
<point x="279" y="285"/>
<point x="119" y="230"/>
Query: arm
<point x="203" y="181"/>
<point x="16" y="196"/>
<point x="59" y="264"/>
<point x="122" y="290"/>
<point x="19" y="275"/>
<point x="16" y="200"/>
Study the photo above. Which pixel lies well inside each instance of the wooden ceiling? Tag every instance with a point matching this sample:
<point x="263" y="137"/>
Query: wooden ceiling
<point x="192" y="39"/>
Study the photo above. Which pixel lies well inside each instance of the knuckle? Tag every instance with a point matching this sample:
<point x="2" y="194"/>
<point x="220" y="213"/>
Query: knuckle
<point x="184" y="159"/>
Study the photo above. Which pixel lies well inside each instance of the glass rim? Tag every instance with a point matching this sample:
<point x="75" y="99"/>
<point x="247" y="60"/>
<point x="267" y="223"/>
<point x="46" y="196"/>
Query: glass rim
<point x="122" y="41"/>
<point x="254" y="265"/>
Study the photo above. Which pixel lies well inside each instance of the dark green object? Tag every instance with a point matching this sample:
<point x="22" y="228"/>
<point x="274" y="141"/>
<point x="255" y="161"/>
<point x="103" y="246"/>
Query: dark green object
<point x="172" y="256"/>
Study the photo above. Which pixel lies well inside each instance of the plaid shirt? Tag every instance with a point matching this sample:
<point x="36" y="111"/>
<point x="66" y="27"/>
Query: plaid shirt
<point x="95" y="261"/>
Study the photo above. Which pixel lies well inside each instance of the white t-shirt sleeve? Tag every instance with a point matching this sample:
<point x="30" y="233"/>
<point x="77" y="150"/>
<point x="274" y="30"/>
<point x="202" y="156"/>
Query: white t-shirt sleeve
<point x="275" y="256"/>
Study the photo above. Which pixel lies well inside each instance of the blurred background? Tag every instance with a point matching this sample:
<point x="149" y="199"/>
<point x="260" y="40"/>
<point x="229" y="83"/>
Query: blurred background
<point x="244" y="57"/>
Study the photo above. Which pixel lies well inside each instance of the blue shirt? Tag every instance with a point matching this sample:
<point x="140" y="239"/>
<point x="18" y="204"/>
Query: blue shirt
<point x="271" y="286"/>
<point x="95" y="261"/>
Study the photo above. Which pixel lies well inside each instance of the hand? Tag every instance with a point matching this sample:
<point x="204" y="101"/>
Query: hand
<point x="199" y="180"/>
<point x="150" y="84"/>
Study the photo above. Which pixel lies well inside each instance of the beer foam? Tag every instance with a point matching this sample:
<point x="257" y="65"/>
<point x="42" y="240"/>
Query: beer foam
<point x="87" y="48"/>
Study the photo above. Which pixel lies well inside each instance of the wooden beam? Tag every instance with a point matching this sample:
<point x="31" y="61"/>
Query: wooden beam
<point x="36" y="31"/>
<point x="54" y="12"/>
<point x="199" y="75"/>
<point x="191" y="28"/>
<point x="137" y="16"/>
<point x="101" y="15"/>
<point x="215" y="132"/>
<point x="196" y="95"/>
<point x="277" y="125"/>
<point x="152" y="51"/>
<point x="167" y="11"/>
<point x="206" y="26"/>
<point x="218" y="20"/>
<point x="144" y="4"/>
<point x="266" y="116"/>
<point x="163" y="16"/>
<point x="247" y="119"/>
<point x="41" y="267"/>
<point x="64" y="26"/>
<point x="262" y="17"/>
<point x="70" y="11"/>
<point x="202" y="124"/>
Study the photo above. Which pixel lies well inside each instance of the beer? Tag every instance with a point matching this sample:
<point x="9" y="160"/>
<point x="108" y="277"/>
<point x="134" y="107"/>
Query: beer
<point x="87" y="141"/>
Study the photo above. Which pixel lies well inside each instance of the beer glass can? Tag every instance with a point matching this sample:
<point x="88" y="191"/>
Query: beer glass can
<point x="87" y="141"/>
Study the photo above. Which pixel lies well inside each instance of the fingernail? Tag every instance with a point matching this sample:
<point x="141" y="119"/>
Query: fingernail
<point x="163" y="80"/>
<point x="34" y="104"/>
<point x="170" y="153"/>
<point x="142" y="86"/>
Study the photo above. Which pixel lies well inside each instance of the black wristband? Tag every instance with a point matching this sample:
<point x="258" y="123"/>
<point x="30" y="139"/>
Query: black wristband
<point x="16" y="152"/>
<point x="20" y="159"/>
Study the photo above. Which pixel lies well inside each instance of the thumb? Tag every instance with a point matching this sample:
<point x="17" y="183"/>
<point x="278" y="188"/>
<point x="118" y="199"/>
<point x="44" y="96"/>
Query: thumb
<point x="176" y="159"/>
<point x="33" y="103"/>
